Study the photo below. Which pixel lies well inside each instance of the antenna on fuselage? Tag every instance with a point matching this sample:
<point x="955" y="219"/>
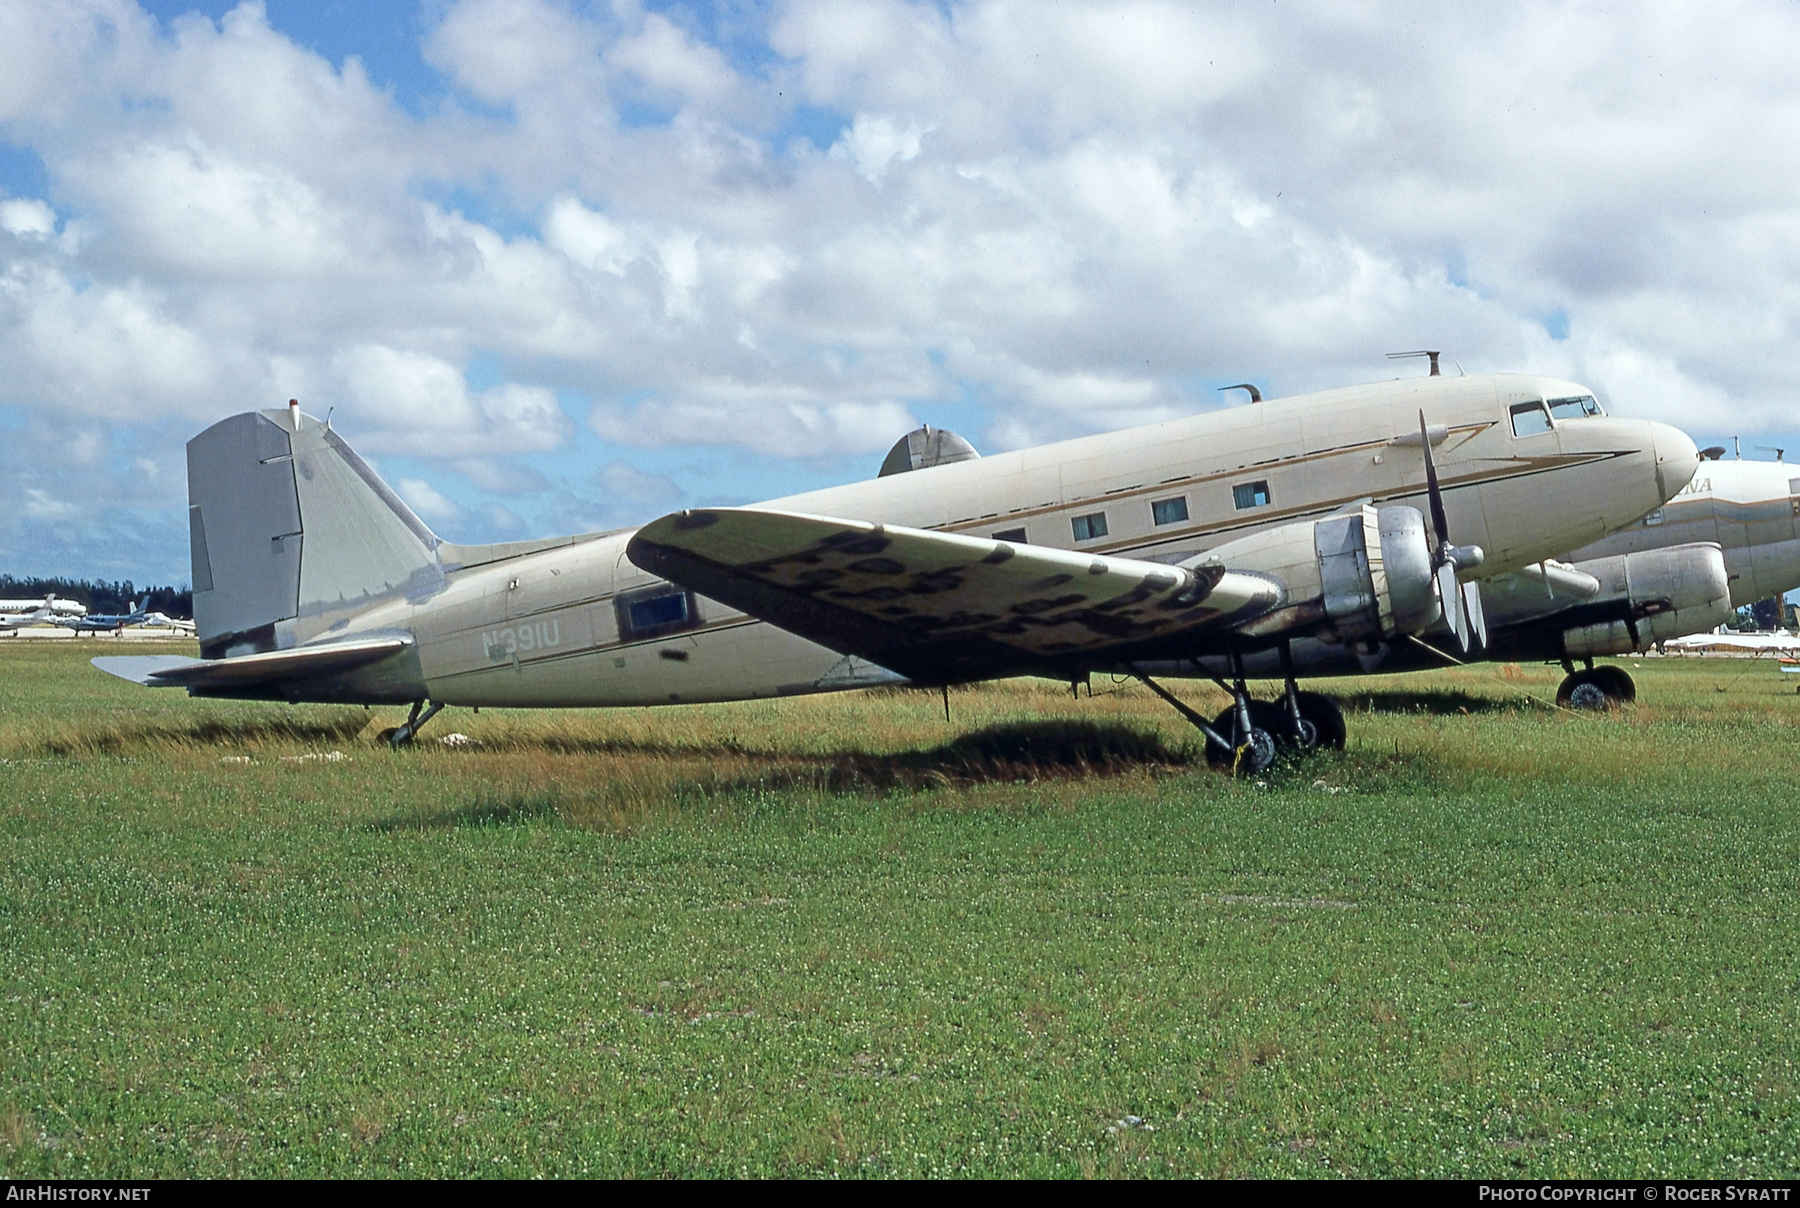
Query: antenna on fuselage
<point x="1255" y="394"/>
<point x="1737" y="453"/>
<point x="1422" y="352"/>
<point x="1774" y="450"/>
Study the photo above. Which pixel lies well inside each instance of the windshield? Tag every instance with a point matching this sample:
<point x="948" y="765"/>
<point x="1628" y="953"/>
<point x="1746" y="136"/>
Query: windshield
<point x="1575" y="408"/>
<point x="1528" y="419"/>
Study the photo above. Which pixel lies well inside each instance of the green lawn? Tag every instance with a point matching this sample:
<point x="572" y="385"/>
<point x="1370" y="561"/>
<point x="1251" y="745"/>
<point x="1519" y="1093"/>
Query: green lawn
<point x="840" y="936"/>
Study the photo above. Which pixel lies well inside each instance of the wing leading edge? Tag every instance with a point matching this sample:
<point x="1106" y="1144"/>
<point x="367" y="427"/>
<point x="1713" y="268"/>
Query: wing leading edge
<point x="939" y="607"/>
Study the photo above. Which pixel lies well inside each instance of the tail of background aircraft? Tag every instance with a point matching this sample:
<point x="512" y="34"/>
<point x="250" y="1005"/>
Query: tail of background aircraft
<point x="290" y="530"/>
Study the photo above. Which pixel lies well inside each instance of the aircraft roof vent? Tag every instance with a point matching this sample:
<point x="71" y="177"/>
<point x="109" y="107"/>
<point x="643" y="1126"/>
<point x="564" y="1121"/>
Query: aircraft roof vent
<point x="925" y="447"/>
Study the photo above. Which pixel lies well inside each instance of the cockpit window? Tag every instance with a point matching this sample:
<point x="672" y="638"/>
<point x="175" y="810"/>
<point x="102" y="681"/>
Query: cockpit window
<point x="1578" y="407"/>
<point x="1530" y="419"/>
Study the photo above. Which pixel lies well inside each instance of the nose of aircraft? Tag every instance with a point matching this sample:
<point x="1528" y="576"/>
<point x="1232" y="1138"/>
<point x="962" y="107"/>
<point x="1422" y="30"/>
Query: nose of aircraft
<point x="1676" y="458"/>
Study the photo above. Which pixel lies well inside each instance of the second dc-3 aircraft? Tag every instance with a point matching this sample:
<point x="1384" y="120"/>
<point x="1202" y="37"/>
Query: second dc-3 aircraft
<point x="1348" y="518"/>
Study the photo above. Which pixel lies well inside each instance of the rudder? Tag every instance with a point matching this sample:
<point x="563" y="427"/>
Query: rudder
<point x="291" y="532"/>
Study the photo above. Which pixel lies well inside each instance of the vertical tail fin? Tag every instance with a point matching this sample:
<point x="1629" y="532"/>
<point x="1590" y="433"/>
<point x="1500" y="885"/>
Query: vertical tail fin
<point x="290" y="531"/>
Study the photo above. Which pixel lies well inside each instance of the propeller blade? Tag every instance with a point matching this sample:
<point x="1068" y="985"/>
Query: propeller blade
<point x="1456" y="615"/>
<point x="1471" y="593"/>
<point x="1436" y="496"/>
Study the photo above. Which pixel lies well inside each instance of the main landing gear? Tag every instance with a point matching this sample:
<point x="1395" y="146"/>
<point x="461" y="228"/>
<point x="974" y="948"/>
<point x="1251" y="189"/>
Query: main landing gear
<point x="1248" y="737"/>
<point x="1604" y="687"/>
<point x="400" y="736"/>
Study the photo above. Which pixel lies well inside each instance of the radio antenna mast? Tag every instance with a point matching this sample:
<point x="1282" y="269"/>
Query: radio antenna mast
<point x="1433" y="353"/>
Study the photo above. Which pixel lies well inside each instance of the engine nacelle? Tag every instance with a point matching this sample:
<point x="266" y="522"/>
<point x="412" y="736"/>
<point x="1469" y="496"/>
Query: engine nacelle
<point x="1671" y="593"/>
<point x="1363" y="575"/>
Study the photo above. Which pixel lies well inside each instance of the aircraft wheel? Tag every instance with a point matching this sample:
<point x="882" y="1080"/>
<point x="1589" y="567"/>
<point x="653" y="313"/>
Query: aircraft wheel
<point x="1617" y="681"/>
<point x="1595" y="689"/>
<point x="1327" y="719"/>
<point x="1271" y="715"/>
<point x="1257" y="752"/>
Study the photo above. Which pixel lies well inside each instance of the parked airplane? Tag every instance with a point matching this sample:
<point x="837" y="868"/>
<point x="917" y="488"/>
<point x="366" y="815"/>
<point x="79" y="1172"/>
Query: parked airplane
<point x="49" y="605"/>
<point x="17" y="614"/>
<point x="1730" y="537"/>
<point x="140" y="617"/>
<point x="1224" y="533"/>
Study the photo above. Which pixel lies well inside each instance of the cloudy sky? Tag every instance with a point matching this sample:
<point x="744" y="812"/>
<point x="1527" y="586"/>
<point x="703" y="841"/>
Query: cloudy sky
<point x="563" y="265"/>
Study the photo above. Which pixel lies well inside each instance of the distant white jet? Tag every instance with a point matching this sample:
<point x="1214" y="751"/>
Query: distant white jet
<point x="17" y="614"/>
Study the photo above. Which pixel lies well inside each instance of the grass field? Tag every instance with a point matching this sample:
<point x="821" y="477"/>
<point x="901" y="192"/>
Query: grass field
<point x="838" y="936"/>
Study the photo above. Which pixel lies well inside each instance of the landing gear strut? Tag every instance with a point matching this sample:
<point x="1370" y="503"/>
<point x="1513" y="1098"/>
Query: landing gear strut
<point x="1248" y="736"/>
<point x="402" y="735"/>
<point x="1597" y="687"/>
<point x="1235" y="743"/>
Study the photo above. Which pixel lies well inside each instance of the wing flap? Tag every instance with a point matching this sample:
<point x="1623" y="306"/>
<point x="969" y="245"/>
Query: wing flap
<point x="249" y="670"/>
<point x="933" y="606"/>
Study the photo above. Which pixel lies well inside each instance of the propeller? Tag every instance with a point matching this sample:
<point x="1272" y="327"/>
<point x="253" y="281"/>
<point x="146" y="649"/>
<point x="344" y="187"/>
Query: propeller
<point x="1461" y="602"/>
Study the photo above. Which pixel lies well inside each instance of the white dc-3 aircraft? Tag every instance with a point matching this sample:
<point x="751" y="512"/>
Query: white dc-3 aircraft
<point x="1354" y="517"/>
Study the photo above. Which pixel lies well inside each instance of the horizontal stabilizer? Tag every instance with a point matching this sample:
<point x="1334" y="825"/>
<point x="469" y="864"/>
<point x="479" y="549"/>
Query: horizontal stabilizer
<point x="939" y="607"/>
<point x="138" y="668"/>
<point x="249" y="670"/>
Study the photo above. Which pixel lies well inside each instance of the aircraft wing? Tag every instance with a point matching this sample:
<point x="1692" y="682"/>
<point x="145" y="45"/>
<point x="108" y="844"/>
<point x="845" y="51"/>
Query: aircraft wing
<point x="939" y="607"/>
<point x="250" y="670"/>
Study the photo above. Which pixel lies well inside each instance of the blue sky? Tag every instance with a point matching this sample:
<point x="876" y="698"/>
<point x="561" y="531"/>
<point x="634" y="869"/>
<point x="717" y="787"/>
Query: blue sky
<point x="557" y="266"/>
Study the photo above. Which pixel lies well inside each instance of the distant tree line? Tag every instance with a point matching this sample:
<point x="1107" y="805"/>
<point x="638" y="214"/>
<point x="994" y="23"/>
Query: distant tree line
<point x="100" y="596"/>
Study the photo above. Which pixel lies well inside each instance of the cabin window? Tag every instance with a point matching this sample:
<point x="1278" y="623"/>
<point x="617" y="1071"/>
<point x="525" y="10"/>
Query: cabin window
<point x="1530" y="419"/>
<point x="1017" y="535"/>
<point x="1088" y="528"/>
<point x="1579" y="407"/>
<point x="1169" y="511"/>
<point x="1655" y="517"/>
<point x="1250" y="494"/>
<point x="655" y="612"/>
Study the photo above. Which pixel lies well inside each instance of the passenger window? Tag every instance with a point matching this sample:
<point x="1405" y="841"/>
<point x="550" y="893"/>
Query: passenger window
<point x="1250" y="494"/>
<point x="1017" y="535"/>
<point x="1169" y="511"/>
<point x="1655" y="517"/>
<point x="1530" y="419"/>
<point x="654" y="612"/>
<point x="1087" y="528"/>
<point x="1578" y="407"/>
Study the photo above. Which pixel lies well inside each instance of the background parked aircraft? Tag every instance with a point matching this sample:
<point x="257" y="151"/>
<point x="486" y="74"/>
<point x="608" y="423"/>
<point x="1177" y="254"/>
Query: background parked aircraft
<point x="50" y="605"/>
<point x="17" y="614"/>
<point x="140" y="617"/>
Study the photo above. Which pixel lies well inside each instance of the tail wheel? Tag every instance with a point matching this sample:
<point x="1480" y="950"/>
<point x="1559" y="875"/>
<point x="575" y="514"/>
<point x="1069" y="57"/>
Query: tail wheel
<point x="1327" y="719"/>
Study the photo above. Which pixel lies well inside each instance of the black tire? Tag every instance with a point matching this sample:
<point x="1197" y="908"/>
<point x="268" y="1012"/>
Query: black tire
<point x="1588" y="691"/>
<point x="1273" y="716"/>
<point x="1327" y="719"/>
<point x="1257" y="754"/>
<point x="1617" y="681"/>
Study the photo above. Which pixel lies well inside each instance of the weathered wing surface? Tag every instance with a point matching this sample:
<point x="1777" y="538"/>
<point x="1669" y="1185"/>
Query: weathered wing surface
<point x="938" y="607"/>
<point x="249" y="670"/>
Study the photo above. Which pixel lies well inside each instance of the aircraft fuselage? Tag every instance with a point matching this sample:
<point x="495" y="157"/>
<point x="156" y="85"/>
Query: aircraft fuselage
<point x="580" y="625"/>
